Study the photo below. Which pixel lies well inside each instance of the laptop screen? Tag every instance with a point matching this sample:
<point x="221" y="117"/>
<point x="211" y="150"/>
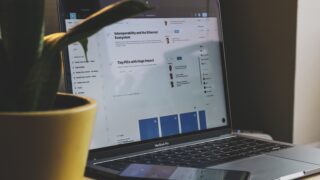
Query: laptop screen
<point x="156" y="75"/>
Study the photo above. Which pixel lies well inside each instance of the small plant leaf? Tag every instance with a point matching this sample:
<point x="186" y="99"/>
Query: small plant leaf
<point x="84" y="44"/>
<point x="95" y="22"/>
<point x="106" y="16"/>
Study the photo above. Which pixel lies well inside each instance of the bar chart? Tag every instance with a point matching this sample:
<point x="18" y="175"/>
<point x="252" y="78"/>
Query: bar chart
<point x="169" y="125"/>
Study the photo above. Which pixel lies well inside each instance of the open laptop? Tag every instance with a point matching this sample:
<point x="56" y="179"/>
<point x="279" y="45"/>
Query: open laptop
<point x="160" y="82"/>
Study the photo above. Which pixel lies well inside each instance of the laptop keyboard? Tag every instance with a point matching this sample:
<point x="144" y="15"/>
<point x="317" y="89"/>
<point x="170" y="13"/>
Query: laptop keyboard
<point x="201" y="155"/>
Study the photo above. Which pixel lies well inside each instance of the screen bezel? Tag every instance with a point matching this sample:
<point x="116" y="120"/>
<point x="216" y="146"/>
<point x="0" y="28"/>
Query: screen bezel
<point x="150" y="144"/>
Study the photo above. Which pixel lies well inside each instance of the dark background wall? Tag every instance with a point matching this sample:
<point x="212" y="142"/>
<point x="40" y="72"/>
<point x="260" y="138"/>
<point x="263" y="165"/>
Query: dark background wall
<point x="260" y="40"/>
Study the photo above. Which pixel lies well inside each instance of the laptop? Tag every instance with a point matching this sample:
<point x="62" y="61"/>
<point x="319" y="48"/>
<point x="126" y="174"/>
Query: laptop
<point x="160" y="82"/>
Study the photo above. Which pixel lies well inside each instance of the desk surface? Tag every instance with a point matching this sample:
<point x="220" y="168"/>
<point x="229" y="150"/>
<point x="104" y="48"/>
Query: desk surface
<point x="314" y="177"/>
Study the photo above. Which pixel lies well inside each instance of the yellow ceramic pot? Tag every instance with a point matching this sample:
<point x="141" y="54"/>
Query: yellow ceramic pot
<point x="47" y="145"/>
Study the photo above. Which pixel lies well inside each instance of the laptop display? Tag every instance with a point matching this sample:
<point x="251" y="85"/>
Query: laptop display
<point x="156" y="75"/>
<point x="159" y="81"/>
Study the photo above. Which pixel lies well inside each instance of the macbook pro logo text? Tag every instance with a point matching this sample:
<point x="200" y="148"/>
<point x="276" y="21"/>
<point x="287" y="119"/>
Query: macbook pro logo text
<point x="162" y="144"/>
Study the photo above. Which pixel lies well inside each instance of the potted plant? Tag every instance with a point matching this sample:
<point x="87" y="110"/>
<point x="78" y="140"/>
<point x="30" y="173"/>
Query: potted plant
<point x="44" y="135"/>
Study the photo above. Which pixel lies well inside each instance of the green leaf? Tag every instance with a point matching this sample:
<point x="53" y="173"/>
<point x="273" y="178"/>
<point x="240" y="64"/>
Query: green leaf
<point x="84" y="44"/>
<point x="47" y="73"/>
<point x="34" y="66"/>
<point x="22" y="34"/>
<point x="22" y="29"/>
<point x="42" y="82"/>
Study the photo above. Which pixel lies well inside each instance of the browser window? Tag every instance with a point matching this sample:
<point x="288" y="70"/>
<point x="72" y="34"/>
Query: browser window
<point x="155" y="75"/>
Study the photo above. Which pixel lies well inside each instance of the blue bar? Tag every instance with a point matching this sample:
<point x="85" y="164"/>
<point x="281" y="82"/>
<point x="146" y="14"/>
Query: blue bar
<point x="203" y="121"/>
<point x="189" y="122"/>
<point x="149" y="128"/>
<point x="169" y="125"/>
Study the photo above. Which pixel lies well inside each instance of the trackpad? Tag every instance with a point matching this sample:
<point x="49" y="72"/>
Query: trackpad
<point x="300" y="153"/>
<point x="267" y="167"/>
